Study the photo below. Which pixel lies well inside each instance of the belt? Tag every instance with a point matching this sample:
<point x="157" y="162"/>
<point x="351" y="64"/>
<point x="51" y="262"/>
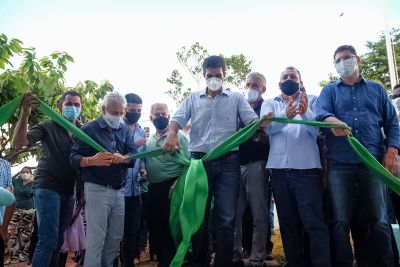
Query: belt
<point x="199" y="155"/>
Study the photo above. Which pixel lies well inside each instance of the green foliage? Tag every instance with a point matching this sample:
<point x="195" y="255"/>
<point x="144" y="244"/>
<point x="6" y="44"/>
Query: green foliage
<point x="45" y="78"/>
<point x="375" y="62"/>
<point x="331" y="78"/>
<point x="191" y="59"/>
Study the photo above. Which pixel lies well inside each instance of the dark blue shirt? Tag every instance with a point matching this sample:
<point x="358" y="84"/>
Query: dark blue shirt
<point x="366" y="108"/>
<point x="119" y="140"/>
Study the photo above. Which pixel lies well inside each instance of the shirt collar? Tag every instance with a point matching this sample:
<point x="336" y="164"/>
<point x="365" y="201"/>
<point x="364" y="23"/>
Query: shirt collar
<point x="226" y="91"/>
<point x="360" y="79"/>
<point x="102" y="123"/>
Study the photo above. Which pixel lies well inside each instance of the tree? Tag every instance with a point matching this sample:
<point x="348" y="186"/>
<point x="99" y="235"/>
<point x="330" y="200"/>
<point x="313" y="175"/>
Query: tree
<point x="191" y="60"/>
<point x="374" y="63"/>
<point x="45" y="78"/>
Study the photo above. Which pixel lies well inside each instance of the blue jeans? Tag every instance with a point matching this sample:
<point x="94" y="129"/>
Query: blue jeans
<point x="298" y="199"/>
<point x="223" y="182"/>
<point x="54" y="212"/>
<point x="346" y="183"/>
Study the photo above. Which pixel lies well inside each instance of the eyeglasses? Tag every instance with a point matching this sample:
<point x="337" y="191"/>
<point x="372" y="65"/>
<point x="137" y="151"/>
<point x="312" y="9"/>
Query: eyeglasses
<point x="336" y="61"/>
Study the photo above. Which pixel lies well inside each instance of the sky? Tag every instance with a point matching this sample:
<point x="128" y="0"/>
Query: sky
<point x="133" y="43"/>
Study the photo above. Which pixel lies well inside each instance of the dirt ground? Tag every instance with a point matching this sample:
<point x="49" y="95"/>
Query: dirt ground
<point x="277" y="253"/>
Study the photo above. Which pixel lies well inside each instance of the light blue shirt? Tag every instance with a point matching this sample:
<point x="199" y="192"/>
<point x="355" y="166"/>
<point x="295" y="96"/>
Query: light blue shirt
<point x="292" y="146"/>
<point x="5" y="181"/>
<point x="132" y="186"/>
<point x="213" y="120"/>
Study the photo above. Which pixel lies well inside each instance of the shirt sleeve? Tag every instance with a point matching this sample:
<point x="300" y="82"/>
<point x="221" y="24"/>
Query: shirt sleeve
<point x="78" y="151"/>
<point x="274" y="127"/>
<point x="390" y="123"/>
<point x="9" y="176"/>
<point x="183" y="114"/>
<point x="246" y="112"/>
<point x="324" y="104"/>
<point x="36" y="134"/>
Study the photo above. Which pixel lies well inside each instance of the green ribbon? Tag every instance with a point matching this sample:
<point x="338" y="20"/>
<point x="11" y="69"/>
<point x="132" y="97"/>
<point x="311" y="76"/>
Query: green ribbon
<point x="189" y="196"/>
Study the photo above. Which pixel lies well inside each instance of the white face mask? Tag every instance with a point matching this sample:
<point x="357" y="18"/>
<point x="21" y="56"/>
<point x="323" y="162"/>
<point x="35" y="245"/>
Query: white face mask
<point x="214" y="83"/>
<point x="346" y="67"/>
<point x="25" y="176"/>
<point x="396" y="103"/>
<point x="251" y="94"/>
<point x="112" y="121"/>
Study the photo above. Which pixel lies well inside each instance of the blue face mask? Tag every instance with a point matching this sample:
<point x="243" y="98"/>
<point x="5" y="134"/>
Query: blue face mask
<point x="71" y="113"/>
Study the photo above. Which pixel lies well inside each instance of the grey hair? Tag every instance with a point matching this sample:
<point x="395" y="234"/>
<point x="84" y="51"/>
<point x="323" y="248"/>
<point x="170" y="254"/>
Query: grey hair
<point x="158" y="105"/>
<point x="259" y="76"/>
<point x="114" y="97"/>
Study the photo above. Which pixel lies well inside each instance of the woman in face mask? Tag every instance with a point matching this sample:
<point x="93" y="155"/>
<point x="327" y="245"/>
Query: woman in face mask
<point x="21" y="225"/>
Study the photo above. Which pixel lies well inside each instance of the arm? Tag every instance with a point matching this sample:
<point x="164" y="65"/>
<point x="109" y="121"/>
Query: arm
<point x="8" y="213"/>
<point x="246" y="112"/>
<point x="392" y="133"/>
<point x="268" y="107"/>
<point x="20" y="139"/>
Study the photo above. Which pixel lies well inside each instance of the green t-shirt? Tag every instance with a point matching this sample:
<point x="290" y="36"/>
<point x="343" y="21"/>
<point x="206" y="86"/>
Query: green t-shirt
<point x="163" y="168"/>
<point x="23" y="194"/>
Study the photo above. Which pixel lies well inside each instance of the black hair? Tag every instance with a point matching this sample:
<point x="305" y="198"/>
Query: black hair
<point x="397" y="86"/>
<point x="133" y="98"/>
<point x="342" y="48"/>
<point x="214" y="62"/>
<point x="71" y="93"/>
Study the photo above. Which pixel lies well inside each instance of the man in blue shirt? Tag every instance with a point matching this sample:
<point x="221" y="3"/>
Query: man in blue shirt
<point x="132" y="187"/>
<point x="365" y="107"/>
<point x="295" y="166"/>
<point x="214" y="113"/>
<point x="104" y="174"/>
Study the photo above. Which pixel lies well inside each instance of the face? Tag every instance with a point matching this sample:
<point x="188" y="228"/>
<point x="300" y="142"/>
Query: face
<point x="133" y="107"/>
<point x="72" y="101"/>
<point x="396" y="93"/>
<point x="26" y="170"/>
<point x="256" y="84"/>
<point x="289" y="74"/>
<point x="345" y="55"/>
<point x="214" y="72"/>
<point x="114" y="108"/>
<point x="159" y="111"/>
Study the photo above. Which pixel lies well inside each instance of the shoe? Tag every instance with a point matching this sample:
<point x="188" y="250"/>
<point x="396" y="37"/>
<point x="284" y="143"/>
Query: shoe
<point x="238" y="263"/>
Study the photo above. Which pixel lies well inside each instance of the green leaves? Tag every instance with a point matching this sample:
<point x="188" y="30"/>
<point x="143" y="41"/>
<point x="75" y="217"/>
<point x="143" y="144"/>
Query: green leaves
<point x="191" y="60"/>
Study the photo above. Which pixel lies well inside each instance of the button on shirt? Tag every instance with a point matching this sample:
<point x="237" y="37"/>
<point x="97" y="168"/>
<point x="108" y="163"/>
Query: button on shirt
<point x="119" y="140"/>
<point x="132" y="186"/>
<point x="289" y="143"/>
<point x="213" y="120"/>
<point x="366" y="108"/>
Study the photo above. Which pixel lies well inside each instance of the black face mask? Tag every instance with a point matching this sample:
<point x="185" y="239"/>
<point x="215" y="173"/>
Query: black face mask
<point x="161" y="122"/>
<point x="289" y="87"/>
<point x="131" y="117"/>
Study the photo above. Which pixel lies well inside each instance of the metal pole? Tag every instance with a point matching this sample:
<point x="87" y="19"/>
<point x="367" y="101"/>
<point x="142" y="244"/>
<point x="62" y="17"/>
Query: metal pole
<point x="389" y="49"/>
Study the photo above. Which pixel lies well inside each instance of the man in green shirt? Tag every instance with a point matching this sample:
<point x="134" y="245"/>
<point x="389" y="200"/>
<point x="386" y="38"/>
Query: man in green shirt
<point x="162" y="172"/>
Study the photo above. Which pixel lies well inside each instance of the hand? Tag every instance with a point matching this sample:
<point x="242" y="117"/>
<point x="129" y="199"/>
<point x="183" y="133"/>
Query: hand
<point x="143" y="172"/>
<point x="338" y="131"/>
<point x="171" y="142"/>
<point x="266" y="123"/>
<point x="101" y="159"/>
<point x="291" y="110"/>
<point x="28" y="103"/>
<point x="117" y="158"/>
<point x="303" y="105"/>
<point x="4" y="234"/>
<point x="140" y="142"/>
<point x="390" y="161"/>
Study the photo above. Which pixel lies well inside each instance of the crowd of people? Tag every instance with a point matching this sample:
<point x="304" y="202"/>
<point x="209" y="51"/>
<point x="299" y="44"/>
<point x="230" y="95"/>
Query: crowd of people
<point x="108" y="208"/>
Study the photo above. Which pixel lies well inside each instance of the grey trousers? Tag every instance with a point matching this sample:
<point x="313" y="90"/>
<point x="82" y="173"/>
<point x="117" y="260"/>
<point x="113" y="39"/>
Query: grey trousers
<point x="104" y="210"/>
<point x="253" y="190"/>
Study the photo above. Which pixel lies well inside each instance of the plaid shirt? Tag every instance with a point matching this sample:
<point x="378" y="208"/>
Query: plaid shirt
<point x="5" y="174"/>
